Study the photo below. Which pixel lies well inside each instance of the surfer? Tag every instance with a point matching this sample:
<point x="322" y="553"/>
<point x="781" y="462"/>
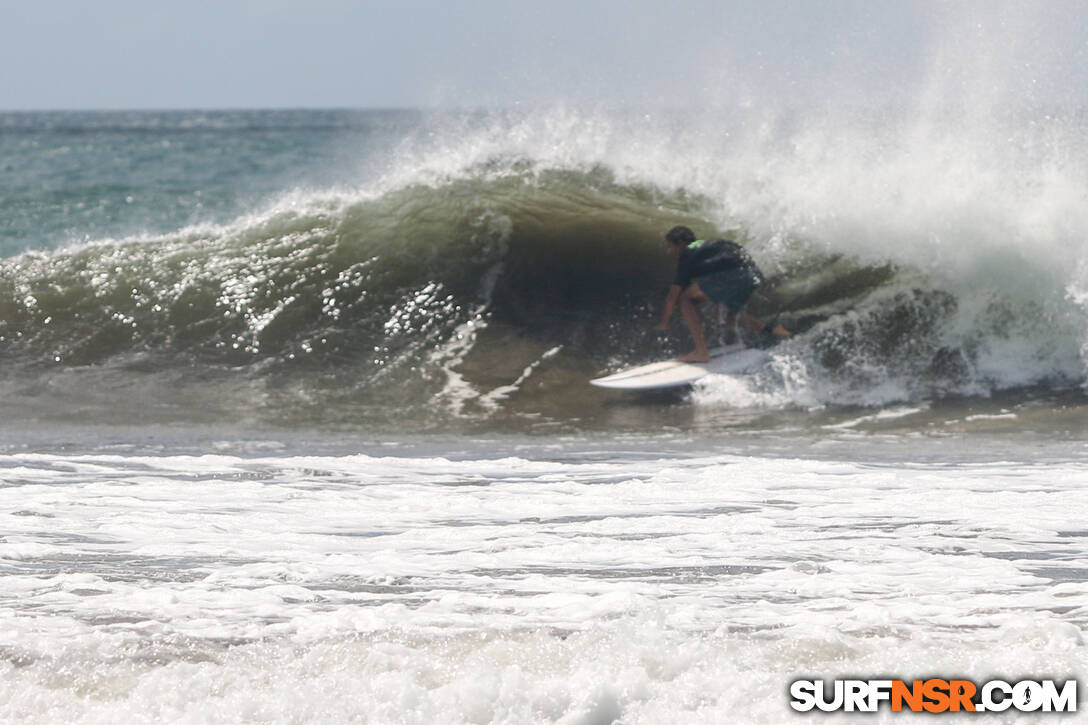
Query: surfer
<point x="718" y="271"/>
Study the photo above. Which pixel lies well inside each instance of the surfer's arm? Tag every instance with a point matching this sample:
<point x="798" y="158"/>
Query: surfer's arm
<point x="670" y="305"/>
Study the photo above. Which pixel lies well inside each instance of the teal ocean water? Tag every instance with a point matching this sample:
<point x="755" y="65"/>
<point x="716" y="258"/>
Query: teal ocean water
<point x="72" y="177"/>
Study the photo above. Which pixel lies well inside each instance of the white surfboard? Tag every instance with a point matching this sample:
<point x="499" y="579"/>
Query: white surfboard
<point x="673" y="373"/>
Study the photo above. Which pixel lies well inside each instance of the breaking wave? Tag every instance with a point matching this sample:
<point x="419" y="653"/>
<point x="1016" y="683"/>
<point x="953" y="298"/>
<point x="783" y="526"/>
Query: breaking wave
<point x="492" y="277"/>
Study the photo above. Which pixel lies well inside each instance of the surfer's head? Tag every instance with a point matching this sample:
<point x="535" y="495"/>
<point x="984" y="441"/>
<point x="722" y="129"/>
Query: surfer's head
<point x="680" y="235"/>
<point x="678" y="239"/>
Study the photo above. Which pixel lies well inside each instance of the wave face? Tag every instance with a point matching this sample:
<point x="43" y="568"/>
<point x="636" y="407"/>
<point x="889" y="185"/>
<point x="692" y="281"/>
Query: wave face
<point x="494" y="262"/>
<point x="348" y="301"/>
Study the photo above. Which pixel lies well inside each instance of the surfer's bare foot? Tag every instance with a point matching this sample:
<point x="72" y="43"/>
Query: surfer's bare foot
<point x="695" y="356"/>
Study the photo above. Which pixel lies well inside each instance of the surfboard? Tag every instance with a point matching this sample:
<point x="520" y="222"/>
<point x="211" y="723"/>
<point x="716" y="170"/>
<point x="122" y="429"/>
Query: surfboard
<point x="673" y="373"/>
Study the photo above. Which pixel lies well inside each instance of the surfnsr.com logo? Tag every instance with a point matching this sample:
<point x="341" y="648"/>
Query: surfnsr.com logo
<point x="934" y="695"/>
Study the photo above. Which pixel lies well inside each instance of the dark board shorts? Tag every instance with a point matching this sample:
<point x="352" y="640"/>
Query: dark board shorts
<point x="731" y="287"/>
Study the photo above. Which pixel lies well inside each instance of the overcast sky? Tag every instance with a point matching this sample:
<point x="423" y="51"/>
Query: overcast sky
<point x="73" y="54"/>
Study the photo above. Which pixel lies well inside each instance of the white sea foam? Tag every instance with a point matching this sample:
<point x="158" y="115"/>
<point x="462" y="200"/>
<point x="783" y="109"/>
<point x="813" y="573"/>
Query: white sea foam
<point x="548" y="588"/>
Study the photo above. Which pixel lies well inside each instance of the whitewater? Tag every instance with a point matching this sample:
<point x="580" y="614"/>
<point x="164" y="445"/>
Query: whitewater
<point x="653" y="579"/>
<point x="296" y="422"/>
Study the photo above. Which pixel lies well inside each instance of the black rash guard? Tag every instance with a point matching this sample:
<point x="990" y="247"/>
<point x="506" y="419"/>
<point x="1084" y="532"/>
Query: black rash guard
<point x="703" y="258"/>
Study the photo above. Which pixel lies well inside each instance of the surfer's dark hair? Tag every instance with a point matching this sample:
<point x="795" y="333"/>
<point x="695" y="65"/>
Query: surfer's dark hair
<point x="680" y="235"/>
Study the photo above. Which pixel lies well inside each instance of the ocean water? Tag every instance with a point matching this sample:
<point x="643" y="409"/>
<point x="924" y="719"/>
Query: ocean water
<point x="297" y="429"/>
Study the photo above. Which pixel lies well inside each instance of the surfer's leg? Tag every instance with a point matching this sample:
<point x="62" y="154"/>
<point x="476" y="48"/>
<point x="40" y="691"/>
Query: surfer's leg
<point x="756" y="325"/>
<point x="733" y="288"/>
<point x="749" y="323"/>
<point x="690" y="299"/>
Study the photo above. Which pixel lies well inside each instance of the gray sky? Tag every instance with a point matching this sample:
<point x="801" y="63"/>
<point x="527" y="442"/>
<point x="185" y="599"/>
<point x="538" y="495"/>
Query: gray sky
<point x="371" y="53"/>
